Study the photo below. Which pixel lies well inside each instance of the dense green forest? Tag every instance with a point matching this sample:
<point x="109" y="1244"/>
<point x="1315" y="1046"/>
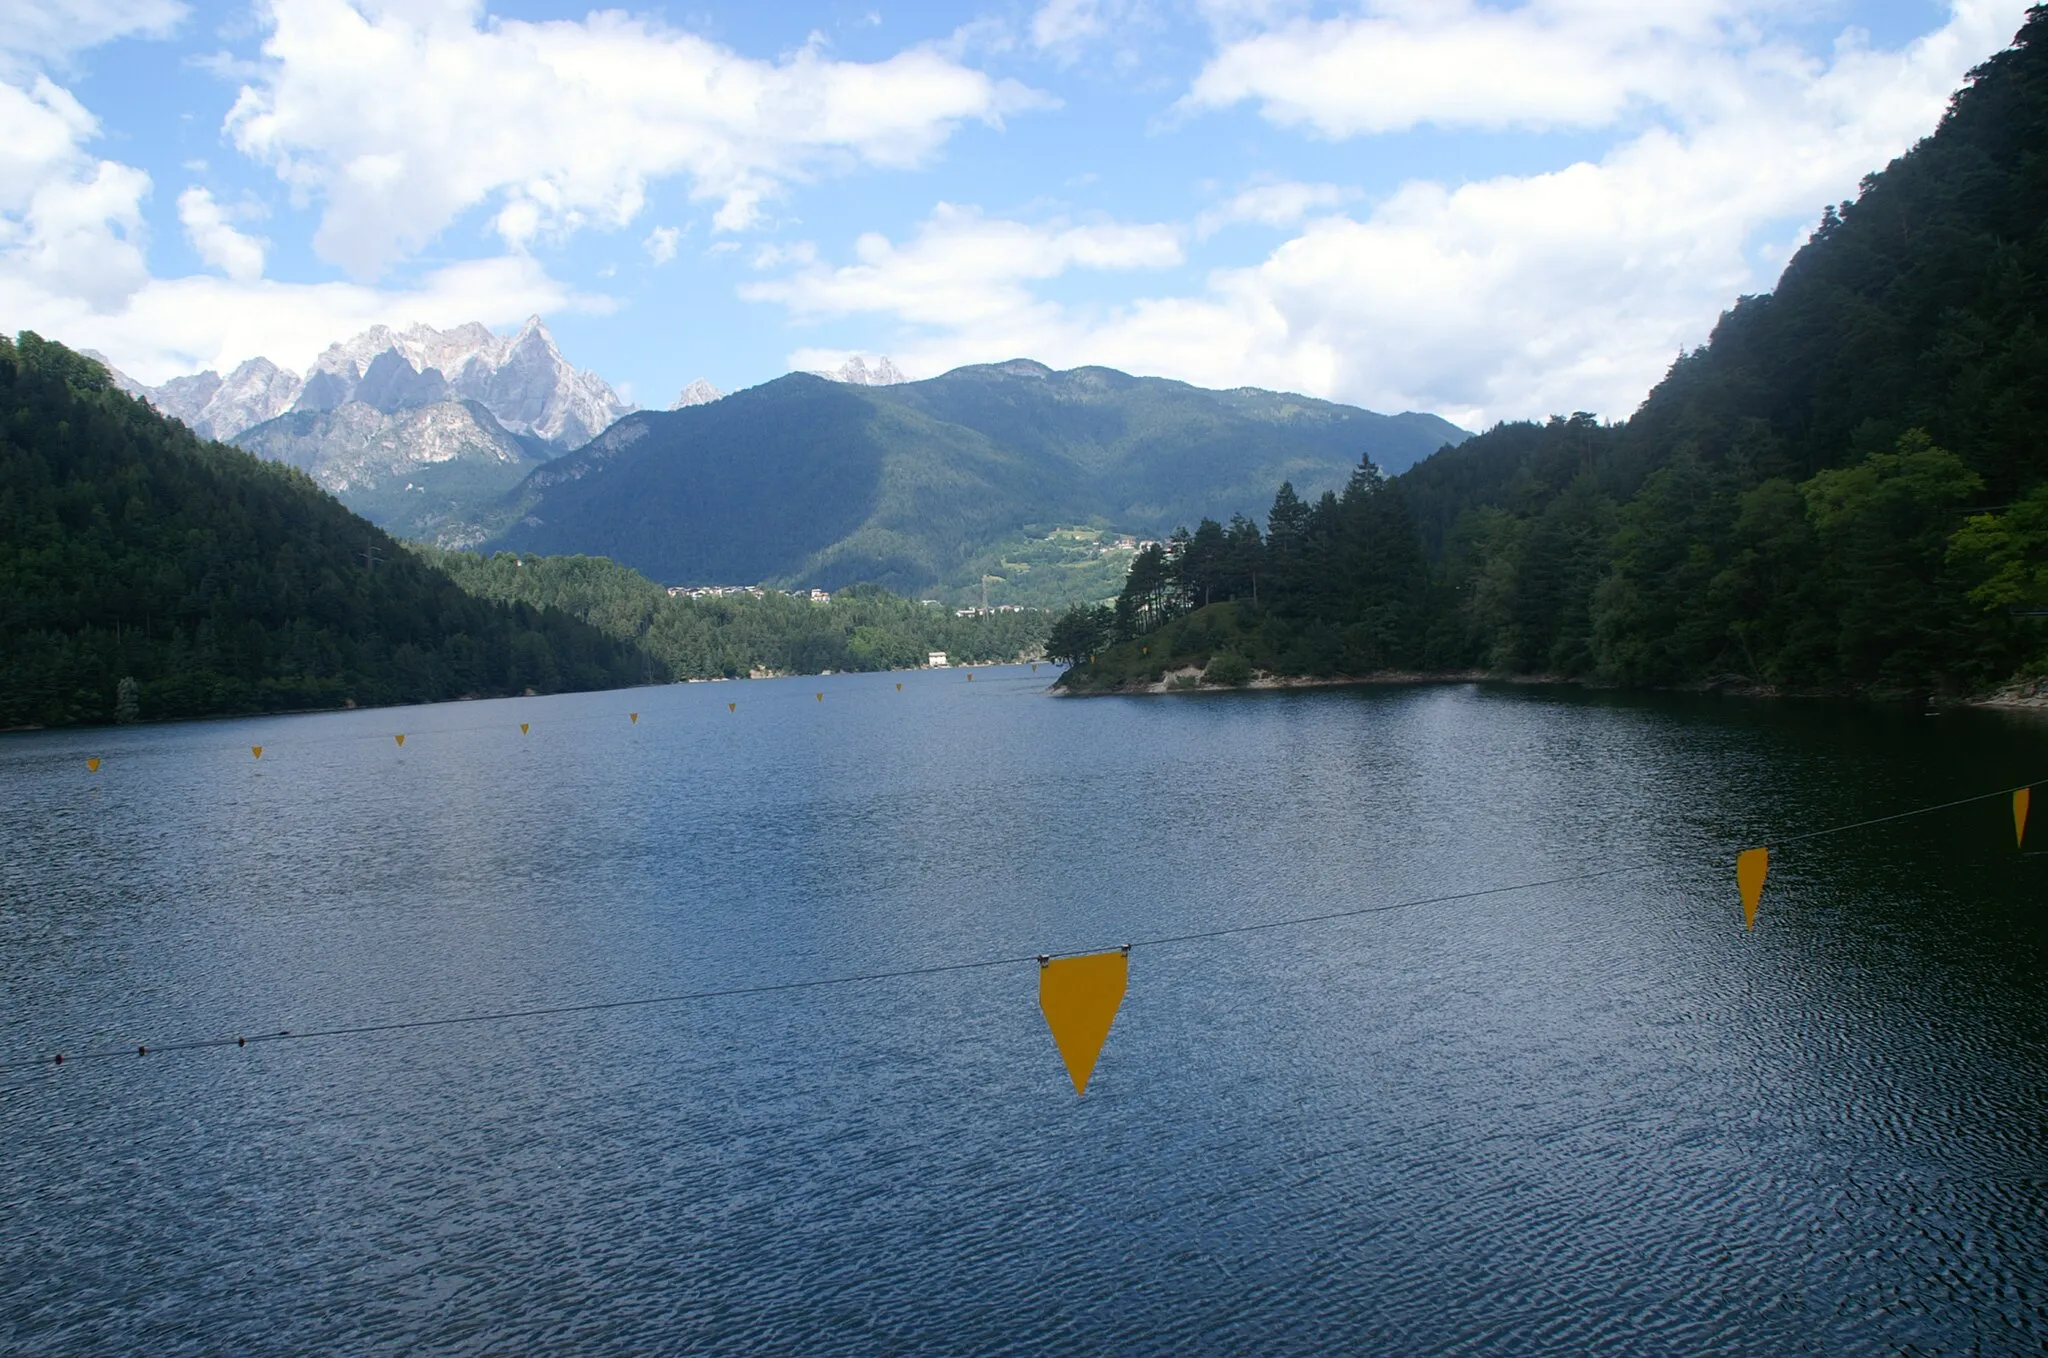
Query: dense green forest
<point x="863" y="627"/>
<point x="1844" y="490"/>
<point x="146" y="573"/>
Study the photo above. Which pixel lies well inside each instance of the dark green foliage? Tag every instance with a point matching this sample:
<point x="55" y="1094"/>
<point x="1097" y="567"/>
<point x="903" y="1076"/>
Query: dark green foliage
<point x="146" y="573"/>
<point x="1079" y="633"/>
<point x="805" y="481"/>
<point x="1228" y="669"/>
<point x="1790" y="507"/>
<point x="862" y="627"/>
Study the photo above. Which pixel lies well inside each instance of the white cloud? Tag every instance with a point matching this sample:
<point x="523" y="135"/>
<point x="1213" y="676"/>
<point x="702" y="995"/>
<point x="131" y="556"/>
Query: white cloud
<point x="966" y="270"/>
<point x="1281" y="204"/>
<point x="1544" y="64"/>
<point x="1512" y="296"/>
<point x="68" y="222"/>
<point x="399" y="118"/>
<point x="1060" y="23"/>
<point x="53" y="30"/>
<point x="238" y="256"/>
<point x="42" y="130"/>
<point x="1125" y="30"/>
<point x="82" y="236"/>
<point x="171" y="326"/>
<point x="776" y="256"/>
<point x="661" y="244"/>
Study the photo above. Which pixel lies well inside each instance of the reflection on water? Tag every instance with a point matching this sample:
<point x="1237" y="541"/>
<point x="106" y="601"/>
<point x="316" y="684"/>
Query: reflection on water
<point x="1597" y="1115"/>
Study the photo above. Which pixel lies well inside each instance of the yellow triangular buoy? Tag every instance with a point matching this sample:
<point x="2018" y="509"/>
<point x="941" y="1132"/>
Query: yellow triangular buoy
<point x="1751" y="867"/>
<point x="93" y="764"/>
<point x="970" y="678"/>
<point x="2020" y="801"/>
<point x="899" y="688"/>
<point x="1080" y="997"/>
<point x="732" y="707"/>
<point x="633" y="717"/>
<point x="821" y="697"/>
<point x="1034" y="667"/>
<point x="256" y="750"/>
<point x="522" y="727"/>
<point x="400" y="740"/>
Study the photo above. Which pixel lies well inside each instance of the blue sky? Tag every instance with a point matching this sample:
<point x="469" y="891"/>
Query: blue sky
<point x="1485" y="210"/>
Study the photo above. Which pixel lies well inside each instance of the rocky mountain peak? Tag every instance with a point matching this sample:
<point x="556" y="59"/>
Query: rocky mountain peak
<point x="856" y="371"/>
<point x="392" y="384"/>
<point x="522" y="379"/>
<point x="213" y="407"/>
<point x="698" y="393"/>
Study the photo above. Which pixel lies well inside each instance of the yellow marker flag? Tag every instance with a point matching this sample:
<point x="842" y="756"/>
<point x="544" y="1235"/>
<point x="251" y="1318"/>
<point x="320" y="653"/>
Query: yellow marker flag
<point x="522" y="727"/>
<point x="2021" y="800"/>
<point x="732" y="707"/>
<point x="256" y="750"/>
<point x="93" y="764"/>
<point x="633" y="717"/>
<point x="1751" y="867"/>
<point x="400" y="740"/>
<point x="1080" y="997"/>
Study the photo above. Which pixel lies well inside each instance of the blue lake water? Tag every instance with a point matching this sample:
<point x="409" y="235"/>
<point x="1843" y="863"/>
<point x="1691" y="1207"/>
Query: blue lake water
<point x="1597" y="1115"/>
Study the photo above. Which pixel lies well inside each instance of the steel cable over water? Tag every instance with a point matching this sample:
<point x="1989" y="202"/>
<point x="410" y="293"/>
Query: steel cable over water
<point x="932" y="969"/>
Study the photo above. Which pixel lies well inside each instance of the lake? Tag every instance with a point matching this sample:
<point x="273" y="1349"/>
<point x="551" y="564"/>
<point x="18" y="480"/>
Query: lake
<point x="1597" y="1115"/>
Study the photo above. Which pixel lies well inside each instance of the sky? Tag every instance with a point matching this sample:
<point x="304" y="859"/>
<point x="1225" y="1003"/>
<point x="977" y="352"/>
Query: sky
<point x="1487" y="211"/>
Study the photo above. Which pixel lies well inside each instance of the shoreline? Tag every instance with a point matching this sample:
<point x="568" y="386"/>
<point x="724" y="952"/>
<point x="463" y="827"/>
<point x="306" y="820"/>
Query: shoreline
<point x="2015" y="696"/>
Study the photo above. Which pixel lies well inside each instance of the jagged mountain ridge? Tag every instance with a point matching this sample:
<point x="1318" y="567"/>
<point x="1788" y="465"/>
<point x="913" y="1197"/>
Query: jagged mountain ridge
<point x="856" y="372"/>
<point x="413" y="428"/>
<point x="522" y="379"/>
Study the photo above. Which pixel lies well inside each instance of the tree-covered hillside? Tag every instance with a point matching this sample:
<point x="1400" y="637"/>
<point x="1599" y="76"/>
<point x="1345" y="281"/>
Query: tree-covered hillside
<point x="219" y="583"/>
<point x="1150" y="452"/>
<point x="805" y="481"/>
<point x="733" y="635"/>
<point x="1846" y="488"/>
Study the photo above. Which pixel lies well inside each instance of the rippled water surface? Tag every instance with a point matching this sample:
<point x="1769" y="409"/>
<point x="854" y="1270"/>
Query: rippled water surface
<point x="1596" y="1115"/>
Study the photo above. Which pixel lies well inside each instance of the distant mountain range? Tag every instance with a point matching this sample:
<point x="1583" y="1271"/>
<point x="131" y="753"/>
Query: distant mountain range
<point x="465" y="438"/>
<point x="808" y="481"/>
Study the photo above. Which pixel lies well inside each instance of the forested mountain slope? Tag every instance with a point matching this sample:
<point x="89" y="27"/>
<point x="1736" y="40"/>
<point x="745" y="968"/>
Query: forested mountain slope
<point x="803" y="480"/>
<point x="1846" y="488"/>
<point x="132" y="550"/>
